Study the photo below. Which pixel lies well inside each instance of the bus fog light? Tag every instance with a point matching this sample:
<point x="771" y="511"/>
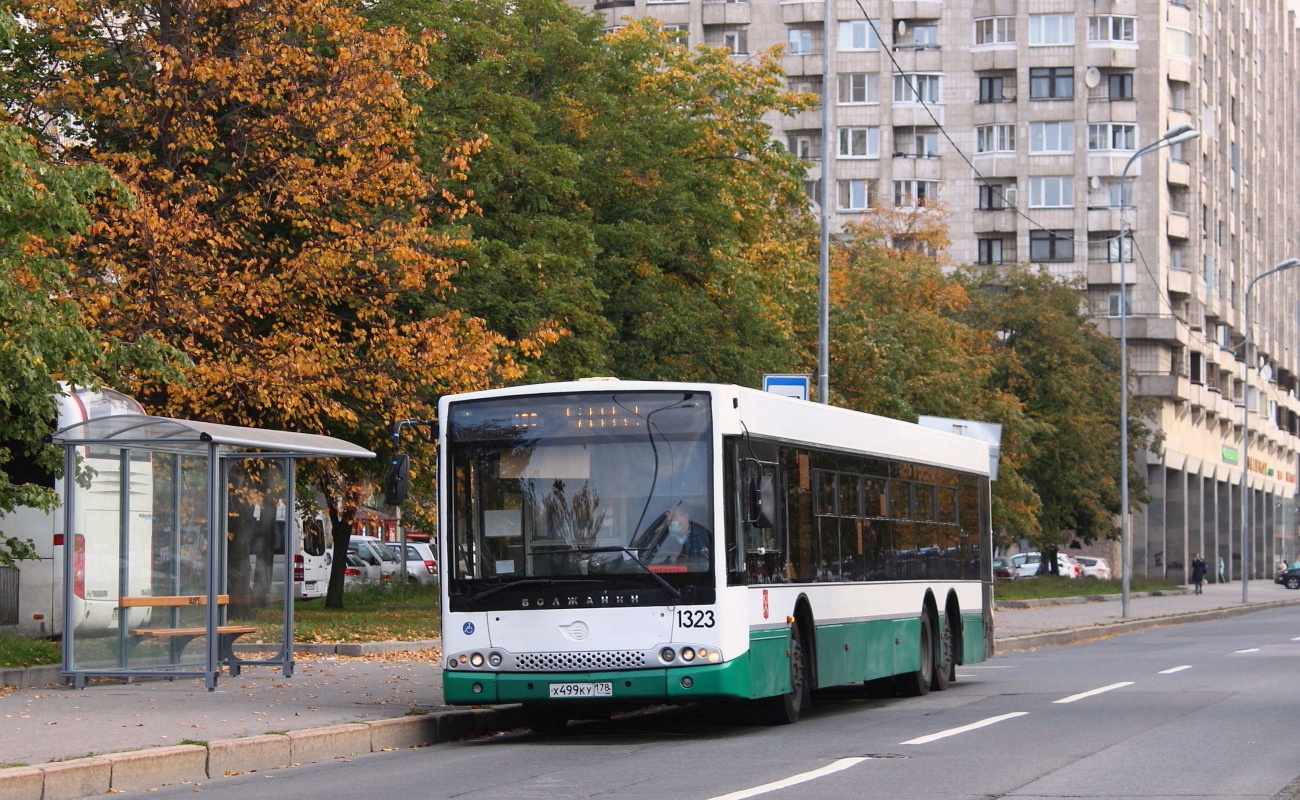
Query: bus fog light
<point x="688" y="682"/>
<point x="494" y="659"/>
<point x="476" y="660"/>
<point x="688" y="654"/>
<point x="477" y="688"/>
<point x="667" y="654"/>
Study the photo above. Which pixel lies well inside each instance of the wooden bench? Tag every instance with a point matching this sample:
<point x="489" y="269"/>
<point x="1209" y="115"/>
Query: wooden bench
<point x="226" y="634"/>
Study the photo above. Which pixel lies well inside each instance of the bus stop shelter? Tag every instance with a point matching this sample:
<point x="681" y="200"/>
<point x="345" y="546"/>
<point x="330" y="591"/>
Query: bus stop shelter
<point x="179" y="538"/>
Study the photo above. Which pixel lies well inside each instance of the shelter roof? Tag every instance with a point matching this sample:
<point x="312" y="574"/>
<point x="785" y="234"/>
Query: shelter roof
<point x="142" y="430"/>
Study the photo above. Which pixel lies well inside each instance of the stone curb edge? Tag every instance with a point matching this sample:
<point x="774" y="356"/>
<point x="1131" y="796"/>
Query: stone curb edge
<point x="198" y="762"/>
<point x="1092" y="632"/>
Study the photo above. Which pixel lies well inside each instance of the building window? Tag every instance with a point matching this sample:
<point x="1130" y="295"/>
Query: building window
<point x="997" y="89"/>
<point x="859" y="87"/>
<point x="1113" y="305"/>
<point x="912" y="143"/>
<point x="1112" y="136"/>
<point x="735" y="40"/>
<point x="800" y="41"/>
<point x="858" y="34"/>
<point x="917" y="37"/>
<point x="1051" y="137"/>
<point x="806" y="146"/>
<point x="679" y="33"/>
<point x="860" y="142"/>
<point x="915" y="193"/>
<point x="995" y="139"/>
<point x="916" y="88"/>
<point x="995" y="30"/>
<point x="1119" y="86"/>
<point x="1120" y="194"/>
<point x="856" y="195"/>
<point x="1119" y="248"/>
<point x="1112" y="29"/>
<point x="997" y="196"/>
<point x="1049" y="29"/>
<point x="1056" y="245"/>
<point x="1051" y="83"/>
<point x="990" y="251"/>
<point x="1051" y="191"/>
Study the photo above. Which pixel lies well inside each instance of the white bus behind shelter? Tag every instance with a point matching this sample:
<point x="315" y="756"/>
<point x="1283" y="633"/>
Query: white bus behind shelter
<point x="179" y="540"/>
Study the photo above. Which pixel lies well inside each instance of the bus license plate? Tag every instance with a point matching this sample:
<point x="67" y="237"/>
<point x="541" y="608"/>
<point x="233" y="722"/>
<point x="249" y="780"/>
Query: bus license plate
<point x="604" y="689"/>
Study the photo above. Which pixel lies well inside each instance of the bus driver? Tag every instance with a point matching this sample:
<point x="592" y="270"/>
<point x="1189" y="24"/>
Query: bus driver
<point x="683" y="539"/>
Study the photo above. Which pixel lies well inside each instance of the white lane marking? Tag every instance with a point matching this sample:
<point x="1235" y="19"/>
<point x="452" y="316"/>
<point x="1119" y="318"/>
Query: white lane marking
<point x="793" y="780"/>
<point x="1295" y="638"/>
<point x="1092" y="692"/>
<point x="963" y="729"/>
<point x="1172" y="670"/>
<point x="1249" y="650"/>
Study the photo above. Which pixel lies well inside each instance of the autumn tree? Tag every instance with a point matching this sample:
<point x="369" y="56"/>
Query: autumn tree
<point x="45" y="338"/>
<point x="284" y="235"/>
<point x="1066" y="374"/>
<point x="629" y="197"/>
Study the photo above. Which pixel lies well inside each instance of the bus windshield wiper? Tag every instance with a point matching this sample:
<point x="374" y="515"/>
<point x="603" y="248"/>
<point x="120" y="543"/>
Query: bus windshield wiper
<point x="501" y="587"/>
<point x="673" y="590"/>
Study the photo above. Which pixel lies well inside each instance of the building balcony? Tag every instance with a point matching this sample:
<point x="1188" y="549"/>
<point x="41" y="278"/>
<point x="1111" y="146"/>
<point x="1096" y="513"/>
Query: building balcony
<point x="1112" y="56"/>
<point x="809" y="63"/>
<point x="1159" y="329"/>
<point x="1179" y="281"/>
<point x="1104" y="218"/>
<point x="994" y="221"/>
<point x="1178" y="173"/>
<point x="794" y="12"/>
<point x="1111" y="273"/>
<point x="993" y="58"/>
<point x="719" y="12"/>
<point x="1178" y="226"/>
<point x="1172" y="387"/>
<point x="914" y="115"/>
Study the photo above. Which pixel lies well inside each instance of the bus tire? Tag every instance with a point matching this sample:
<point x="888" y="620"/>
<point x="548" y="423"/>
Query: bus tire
<point x="943" y="660"/>
<point x="915" y="684"/>
<point x="784" y="709"/>
<point x="546" y="719"/>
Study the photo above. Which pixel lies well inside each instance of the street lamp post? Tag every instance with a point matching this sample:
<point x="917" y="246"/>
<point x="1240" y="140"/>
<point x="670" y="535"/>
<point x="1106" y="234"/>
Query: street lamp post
<point x="1290" y="263"/>
<point x="1175" y="135"/>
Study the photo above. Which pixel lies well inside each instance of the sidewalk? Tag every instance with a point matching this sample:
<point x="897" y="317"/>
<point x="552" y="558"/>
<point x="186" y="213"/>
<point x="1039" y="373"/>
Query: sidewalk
<point x="157" y="732"/>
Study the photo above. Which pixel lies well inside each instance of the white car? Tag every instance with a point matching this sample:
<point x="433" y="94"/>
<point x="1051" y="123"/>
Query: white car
<point x="1026" y="565"/>
<point x="421" y="565"/>
<point x="1094" y="567"/>
<point x="376" y="552"/>
<point x="358" y="572"/>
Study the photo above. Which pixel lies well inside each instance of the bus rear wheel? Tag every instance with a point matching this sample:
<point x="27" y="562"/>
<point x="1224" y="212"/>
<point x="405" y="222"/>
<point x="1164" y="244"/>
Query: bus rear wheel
<point x="915" y="684"/>
<point x="785" y="709"/>
<point x="945" y="666"/>
<point x="546" y="719"/>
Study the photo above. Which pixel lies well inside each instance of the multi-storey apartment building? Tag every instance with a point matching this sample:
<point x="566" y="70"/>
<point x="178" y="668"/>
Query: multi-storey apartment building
<point x="1023" y="116"/>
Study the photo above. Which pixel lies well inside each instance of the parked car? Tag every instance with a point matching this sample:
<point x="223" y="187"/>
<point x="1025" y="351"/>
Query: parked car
<point x="1002" y="569"/>
<point x="375" y="551"/>
<point x="1290" y="578"/>
<point x="1026" y="565"/>
<point x="359" y="572"/>
<point x="1094" y="567"/>
<point x="421" y="565"/>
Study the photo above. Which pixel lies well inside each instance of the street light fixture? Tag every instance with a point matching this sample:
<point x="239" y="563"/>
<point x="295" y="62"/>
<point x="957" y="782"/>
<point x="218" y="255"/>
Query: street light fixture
<point x="1175" y="135"/>
<point x="1290" y="263"/>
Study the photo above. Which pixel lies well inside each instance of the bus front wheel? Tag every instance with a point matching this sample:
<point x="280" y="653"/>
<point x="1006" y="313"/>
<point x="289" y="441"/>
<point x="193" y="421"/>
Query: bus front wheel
<point x="784" y="709"/>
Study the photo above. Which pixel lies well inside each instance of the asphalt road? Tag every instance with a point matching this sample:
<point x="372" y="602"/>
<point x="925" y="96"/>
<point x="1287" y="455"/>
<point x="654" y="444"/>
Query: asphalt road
<point x="1202" y="710"/>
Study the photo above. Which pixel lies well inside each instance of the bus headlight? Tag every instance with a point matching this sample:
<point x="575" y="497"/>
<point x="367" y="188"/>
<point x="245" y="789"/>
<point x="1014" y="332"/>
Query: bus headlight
<point x="494" y="660"/>
<point x="688" y="654"/>
<point x="476" y="660"/>
<point x="667" y="655"/>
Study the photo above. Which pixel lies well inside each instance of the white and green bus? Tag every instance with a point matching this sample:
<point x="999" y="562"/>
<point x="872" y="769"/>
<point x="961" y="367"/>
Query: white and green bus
<point x="608" y="543"/>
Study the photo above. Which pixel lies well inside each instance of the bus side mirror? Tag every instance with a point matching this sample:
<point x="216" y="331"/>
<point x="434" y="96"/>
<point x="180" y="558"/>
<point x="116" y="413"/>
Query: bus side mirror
<point x="395" y="481"/>
<point x="762" y="501"/>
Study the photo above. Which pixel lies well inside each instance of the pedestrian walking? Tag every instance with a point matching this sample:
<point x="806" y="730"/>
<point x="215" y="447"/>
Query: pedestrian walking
<point x="1198" y="571"/>
<point x="1221" y="578"/>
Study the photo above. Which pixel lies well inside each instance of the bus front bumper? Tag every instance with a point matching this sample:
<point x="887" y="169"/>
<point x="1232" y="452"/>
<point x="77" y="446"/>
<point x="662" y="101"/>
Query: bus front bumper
<point x="676" y="685"/>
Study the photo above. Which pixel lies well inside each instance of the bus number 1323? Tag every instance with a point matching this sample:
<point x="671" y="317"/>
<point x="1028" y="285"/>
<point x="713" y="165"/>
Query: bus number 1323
<point x="694" y="618"/>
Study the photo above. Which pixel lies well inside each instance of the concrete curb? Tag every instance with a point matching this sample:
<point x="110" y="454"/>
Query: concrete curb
<point x="195" y="763"/>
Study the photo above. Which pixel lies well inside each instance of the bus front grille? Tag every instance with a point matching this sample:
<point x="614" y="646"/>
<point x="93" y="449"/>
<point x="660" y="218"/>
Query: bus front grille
<point x="556" y="662"/>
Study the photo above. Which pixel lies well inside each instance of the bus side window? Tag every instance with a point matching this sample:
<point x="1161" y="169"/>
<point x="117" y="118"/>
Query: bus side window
<point x="764" y="549"/>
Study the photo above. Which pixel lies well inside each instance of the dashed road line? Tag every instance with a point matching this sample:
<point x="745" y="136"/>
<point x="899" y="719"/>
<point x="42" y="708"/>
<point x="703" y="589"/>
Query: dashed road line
<point x="1092" y="692"/>
<point x="793" y="780"/>
<point x="1172" y="670"/>
<point x="963" y="729"/>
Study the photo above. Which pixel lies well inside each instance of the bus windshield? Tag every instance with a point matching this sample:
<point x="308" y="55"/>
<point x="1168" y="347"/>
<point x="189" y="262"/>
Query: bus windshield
<point x="580" y="488"/>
